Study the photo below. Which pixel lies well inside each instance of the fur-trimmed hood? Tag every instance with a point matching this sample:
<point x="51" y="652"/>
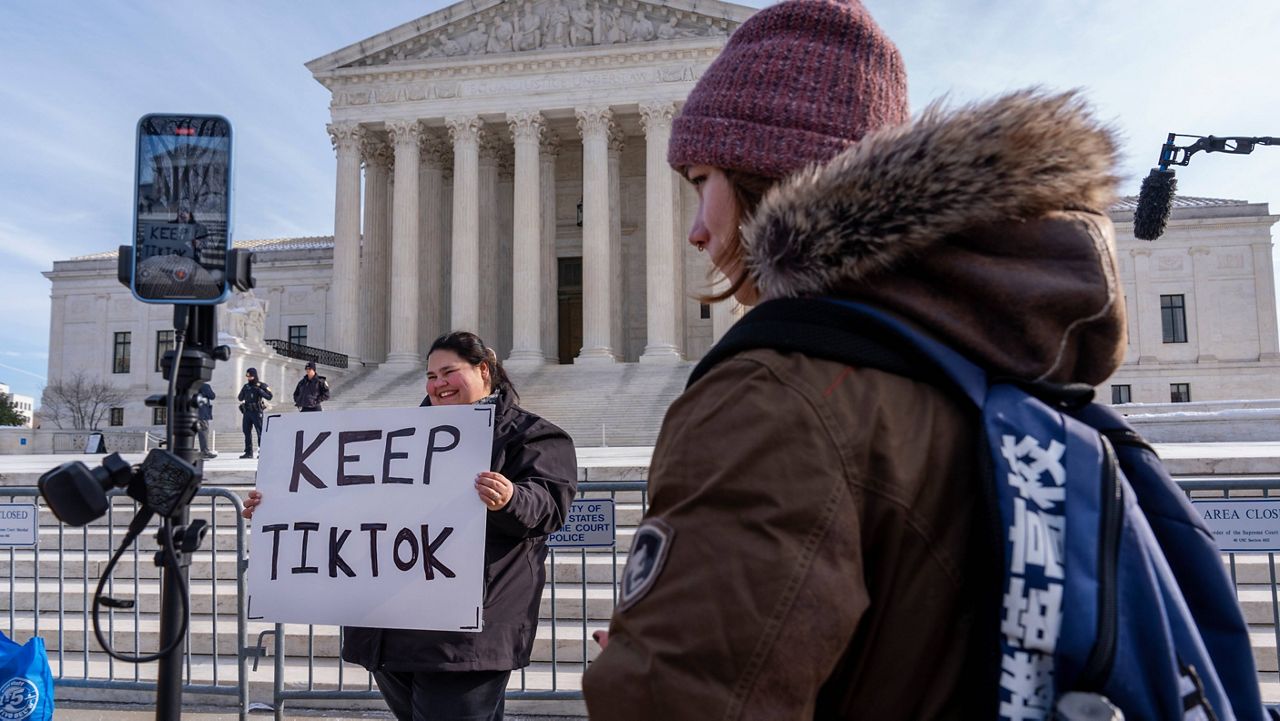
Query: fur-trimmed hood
<point x="985" y="225"/>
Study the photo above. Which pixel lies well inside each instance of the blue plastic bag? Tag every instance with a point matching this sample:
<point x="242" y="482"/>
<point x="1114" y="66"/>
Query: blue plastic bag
<point x="26" y="683"/>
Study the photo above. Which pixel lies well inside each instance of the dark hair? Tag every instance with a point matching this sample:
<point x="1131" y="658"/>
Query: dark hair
<point x="748" y="191"/>
<point x="471" y="349"/>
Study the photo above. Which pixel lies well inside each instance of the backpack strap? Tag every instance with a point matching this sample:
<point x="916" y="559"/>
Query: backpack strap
<point x="852" y="333"/>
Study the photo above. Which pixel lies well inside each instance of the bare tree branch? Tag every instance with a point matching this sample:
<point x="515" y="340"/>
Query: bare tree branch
<point x="80" y="402"/>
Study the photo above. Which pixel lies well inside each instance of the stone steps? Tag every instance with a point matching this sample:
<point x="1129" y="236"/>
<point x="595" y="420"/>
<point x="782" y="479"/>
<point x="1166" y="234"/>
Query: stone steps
<point x="618" y="404"/>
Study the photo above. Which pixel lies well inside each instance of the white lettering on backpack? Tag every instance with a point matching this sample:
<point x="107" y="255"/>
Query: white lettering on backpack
<point x="1032" y="612"/>
<point x="1029" y="677"/>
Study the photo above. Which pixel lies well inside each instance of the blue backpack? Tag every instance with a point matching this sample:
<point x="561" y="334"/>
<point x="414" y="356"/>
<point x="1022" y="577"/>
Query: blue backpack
<point x="1113" y="592"/>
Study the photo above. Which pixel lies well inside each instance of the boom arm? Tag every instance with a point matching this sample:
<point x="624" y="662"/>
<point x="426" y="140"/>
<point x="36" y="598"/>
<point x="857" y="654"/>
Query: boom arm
<point x="1171" y="154"/>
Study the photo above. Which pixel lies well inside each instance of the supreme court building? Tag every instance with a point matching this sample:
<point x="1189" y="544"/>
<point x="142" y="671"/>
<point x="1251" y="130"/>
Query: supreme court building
<point x="515" y="181"/>
<point x="501" y="167"/>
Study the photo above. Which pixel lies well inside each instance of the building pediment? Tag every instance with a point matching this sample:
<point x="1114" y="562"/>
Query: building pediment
<point x="469" y="30"/>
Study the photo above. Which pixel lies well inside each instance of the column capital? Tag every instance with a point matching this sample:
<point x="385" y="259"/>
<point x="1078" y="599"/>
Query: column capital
<point x="491" y="148"/>
<point x="617" y="142"/>
<point x="594" y="121"/>
<point x="376" y="152"/>
<point x="345" y="137"/>
<point x="550" y="145"/>
<point x="1140" y="252"/>
<point x="404" y="132"/>
<point x="656" y="115"/>
<point x="435" y="151"/>
<point x="527" y="126"/>
<point x="1197" y="250"/>
<point x="465" y="128"/>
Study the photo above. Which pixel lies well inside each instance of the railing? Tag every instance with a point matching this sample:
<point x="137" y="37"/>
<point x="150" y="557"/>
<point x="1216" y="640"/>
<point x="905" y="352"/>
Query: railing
<point x="307" y="353"/>
<point x="124" y="441"/>
<point x="1205" y="489"/>
<point x="57" y="592"/>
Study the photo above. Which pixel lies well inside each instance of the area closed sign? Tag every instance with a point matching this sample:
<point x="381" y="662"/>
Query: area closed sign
<point x="1244" y="524"/>
<point x="590" y="524"/>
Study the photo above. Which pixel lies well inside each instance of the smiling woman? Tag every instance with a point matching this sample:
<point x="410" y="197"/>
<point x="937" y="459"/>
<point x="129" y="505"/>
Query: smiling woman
<point x="528" y="492"/>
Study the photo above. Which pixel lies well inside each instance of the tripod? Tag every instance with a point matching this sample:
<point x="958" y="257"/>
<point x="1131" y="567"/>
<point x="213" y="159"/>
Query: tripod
<point x="195" y="363"/>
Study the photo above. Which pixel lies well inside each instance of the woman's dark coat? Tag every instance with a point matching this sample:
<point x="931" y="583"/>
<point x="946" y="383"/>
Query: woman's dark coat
<point x="540" y="461"/>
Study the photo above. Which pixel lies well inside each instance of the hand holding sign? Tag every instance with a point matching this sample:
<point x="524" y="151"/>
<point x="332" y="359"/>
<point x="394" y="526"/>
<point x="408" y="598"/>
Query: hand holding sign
<point x="494" y="489"/>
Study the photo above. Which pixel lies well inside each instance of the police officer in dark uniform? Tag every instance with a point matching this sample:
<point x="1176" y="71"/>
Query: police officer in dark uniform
<point x="254" y="395"/>
<point x="312" y="390"/>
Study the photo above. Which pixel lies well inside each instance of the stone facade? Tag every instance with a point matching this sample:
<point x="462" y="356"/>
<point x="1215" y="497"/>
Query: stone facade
<point x="1214" y="262"/>
<point x="98" y="328"/>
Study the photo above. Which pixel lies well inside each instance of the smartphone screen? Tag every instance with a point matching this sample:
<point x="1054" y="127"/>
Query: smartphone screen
<point x="182" y="217"/>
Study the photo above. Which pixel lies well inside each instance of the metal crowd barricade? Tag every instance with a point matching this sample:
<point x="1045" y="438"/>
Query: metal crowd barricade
<point x="79" y="555"/>
<point x="554" y="680"/>
<point x="65" y="564"/>
<point x="1211" y="488"/>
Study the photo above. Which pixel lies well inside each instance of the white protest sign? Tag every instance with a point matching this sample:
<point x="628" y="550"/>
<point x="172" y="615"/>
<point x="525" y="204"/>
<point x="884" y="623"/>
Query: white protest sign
<point x="1242" y="525"/>
<point x="371" y="518"/>
<point x="590" y="524"/>
<point x="17" y="524"/>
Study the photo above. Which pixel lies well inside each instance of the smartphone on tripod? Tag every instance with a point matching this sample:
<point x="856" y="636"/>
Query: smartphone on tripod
<point x="182" y="210"/>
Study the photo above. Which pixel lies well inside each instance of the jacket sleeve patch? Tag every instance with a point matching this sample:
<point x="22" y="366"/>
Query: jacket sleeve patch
<point x="648" y="555"/>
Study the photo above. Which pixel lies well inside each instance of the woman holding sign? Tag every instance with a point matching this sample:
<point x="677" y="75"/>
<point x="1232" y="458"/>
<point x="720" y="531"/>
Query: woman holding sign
<point x="450" y="675"/>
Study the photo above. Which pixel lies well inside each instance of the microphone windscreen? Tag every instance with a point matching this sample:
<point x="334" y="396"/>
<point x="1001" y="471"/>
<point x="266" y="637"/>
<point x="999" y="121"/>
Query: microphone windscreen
<point x="1155" y="203"/>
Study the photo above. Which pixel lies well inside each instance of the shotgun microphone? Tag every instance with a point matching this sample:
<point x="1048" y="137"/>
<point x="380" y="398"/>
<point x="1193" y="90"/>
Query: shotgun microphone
<point x="1155" y="203"/>
<point x="1155" y="200"/>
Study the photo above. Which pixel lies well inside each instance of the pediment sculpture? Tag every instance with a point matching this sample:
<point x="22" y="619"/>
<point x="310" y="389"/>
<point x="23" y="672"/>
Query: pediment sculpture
<point x="551" y="24"/>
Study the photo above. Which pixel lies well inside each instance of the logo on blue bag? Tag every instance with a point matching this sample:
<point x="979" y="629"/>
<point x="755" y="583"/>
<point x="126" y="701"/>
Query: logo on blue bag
<point x="18" y="699"/>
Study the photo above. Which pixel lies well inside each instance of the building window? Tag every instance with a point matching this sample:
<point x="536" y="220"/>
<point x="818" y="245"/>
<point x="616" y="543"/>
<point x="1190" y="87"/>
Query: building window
<point x="298" y="334"/>
<point x="1173" y="317"/>
<point x="159" y="415"/>
<point x="117" y="417"/>
<point x="1121" y="394"/>
<point x="120" y="354"/>
<point x="704" y="310"/>
<point x="1179" y="392"/>
<point x="164" y="343"/>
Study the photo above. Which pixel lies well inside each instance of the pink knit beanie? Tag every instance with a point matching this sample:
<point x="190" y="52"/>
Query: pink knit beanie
<point x="796" y="84"/>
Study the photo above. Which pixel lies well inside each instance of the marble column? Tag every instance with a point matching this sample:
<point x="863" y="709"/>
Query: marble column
<point x="1199" y="305"/>
<point x="464" y="276"/>
<point x="1264" y="290"/>
<point x="374" y="266"/>
<point x="550" y="261"/>
<point x="527" y="271"/>
<point x="1146" y="308"/>
<point x="662" y="249"/>
<point x="596" y="125"/>
<point x="491" y="267"/>
<point x="617" y="337"/>
<point x="340" y="333"/>
<point x="433" y="253"/>
<point x="402" y="350"/>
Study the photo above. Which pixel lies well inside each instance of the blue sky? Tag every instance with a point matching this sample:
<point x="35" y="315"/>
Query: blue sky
<point x="79" y="74"/>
